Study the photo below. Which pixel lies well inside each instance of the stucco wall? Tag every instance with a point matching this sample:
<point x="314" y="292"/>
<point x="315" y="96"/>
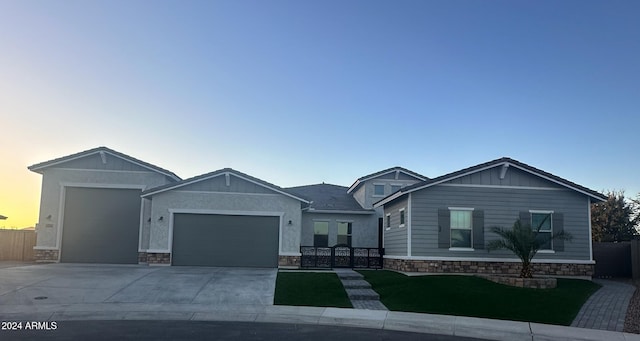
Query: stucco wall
<point x="146" y="224"/>
<point x="163" y="204"/>
<point x="52" y="194"/>
<point x="364" y="228"/>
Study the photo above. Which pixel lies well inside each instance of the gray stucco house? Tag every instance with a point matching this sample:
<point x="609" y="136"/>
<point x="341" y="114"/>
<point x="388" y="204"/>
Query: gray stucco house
<point x="103" y="206"/>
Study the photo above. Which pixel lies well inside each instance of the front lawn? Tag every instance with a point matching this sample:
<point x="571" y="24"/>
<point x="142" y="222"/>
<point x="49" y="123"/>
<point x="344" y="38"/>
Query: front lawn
<point x="474" y="296"/>
<point x="315" y="289"/>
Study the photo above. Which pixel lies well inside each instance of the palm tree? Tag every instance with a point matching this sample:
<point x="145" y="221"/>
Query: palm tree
<point x="524" y="242"/>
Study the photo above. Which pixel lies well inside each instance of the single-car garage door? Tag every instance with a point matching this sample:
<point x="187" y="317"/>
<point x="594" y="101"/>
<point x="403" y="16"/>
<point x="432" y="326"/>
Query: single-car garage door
<point x="225" y="240"/>
<point x="100" y="225"/>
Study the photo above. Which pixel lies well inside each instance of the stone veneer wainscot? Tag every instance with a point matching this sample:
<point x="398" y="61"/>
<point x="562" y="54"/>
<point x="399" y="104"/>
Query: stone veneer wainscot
<point x="289" y="261"/>
<point x="42" y="256"/>
<point x="158" y="258"/>
<point x="475" y="267"/>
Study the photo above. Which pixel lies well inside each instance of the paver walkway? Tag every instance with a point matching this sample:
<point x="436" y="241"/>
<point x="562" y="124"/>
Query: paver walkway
<point x="359" y="290"/>
<point x="606" y="309"/>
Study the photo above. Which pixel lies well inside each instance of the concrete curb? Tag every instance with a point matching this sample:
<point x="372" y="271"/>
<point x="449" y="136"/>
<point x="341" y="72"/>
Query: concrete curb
<point x="376" y="319"/>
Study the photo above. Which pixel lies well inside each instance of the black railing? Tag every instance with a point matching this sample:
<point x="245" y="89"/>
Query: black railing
<point x="340" y="256"/>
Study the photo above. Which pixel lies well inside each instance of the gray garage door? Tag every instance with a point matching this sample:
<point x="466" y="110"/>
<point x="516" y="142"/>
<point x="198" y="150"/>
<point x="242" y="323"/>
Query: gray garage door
<point x="225" y="240"/>
<point x="101" y="225"/>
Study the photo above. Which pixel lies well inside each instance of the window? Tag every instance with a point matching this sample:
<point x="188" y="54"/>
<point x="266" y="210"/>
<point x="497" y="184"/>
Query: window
<point x="402" y="217"/>
<point x="378" y="190"/>
<point x="461" y="228"/>
<point x="321" y="233"/>
<point x="395" y="188"/>
<point x="344" y="233"/>
<point x="541" y="222"/>
<point x="388" y="222"/>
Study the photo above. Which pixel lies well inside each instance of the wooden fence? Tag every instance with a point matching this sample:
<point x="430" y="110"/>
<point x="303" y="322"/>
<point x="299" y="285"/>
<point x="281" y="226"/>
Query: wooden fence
<point x="17" y="245"/>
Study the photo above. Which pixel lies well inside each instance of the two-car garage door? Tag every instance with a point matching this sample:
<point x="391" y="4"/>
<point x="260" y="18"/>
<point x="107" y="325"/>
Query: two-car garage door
<point x="225" y="240"/>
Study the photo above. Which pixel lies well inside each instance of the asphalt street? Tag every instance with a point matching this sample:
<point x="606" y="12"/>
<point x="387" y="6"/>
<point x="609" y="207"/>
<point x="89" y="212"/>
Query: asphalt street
<point x="203" y="330"/>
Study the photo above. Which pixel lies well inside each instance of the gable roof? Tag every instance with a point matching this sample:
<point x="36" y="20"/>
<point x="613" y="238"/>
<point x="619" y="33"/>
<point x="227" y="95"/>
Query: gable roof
<point x="38" y="167"/>
<point x="505" y="161"/>
<point x="383" y="172"/>
<point x="220" y="172"/>
<point x="329" y="198"/>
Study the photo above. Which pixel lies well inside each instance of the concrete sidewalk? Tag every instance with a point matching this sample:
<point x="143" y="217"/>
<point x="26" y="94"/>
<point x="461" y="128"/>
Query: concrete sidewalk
<point x="389" y="320"/>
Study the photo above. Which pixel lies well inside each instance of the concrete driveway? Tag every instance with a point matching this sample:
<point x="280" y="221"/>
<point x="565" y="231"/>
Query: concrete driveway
<point x="45" y="284"/>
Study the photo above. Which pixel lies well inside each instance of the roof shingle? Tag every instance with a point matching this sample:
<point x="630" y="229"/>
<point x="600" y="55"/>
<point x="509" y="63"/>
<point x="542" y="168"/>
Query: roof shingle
<point x="326" y="197"/>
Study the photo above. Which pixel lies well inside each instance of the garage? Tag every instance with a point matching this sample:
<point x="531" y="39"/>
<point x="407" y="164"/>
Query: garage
<point x="225" y="240"/>
<point x="100" y="225"/>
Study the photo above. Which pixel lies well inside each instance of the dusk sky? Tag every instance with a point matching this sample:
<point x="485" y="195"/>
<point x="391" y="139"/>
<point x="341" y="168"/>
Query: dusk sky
<point x="301" y="92"/>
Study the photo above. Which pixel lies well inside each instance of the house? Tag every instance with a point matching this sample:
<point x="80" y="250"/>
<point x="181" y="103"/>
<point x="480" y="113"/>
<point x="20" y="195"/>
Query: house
<point x="442" y="225"/>
<point x="103" y="206"/>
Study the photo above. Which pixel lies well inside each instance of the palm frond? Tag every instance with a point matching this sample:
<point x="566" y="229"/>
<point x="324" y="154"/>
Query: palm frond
<point x="522" y="240"/>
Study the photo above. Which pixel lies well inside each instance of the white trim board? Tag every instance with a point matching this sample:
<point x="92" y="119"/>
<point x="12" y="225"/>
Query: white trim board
<point x="290" y="254"/>
<point x="407" y="223"/>
<point x="225" y="212"/>
<point x="141" y="225"/>
<point x="506" y="187"/>
<point x="107" y="170"/>
<point x="590" y="231"/>
<point x="227" y="193"/>
<point x="310" y="210"/>
<point x="156" y="251"/>
<point x="103" y="185"/>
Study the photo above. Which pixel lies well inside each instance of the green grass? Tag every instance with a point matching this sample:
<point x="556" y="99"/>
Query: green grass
<point x="310" y="289"/>
<point x="474" y="296"/>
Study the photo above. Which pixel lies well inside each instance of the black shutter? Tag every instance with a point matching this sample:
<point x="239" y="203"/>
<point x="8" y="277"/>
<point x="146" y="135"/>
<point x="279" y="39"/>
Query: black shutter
<point x="558" y="226"/>
<point x="444" y="229"/>
<point x="478" y="229"/>
<point x="525" y="218"/>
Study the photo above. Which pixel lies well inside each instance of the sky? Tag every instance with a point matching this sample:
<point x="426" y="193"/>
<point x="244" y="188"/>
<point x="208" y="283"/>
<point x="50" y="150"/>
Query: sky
<point x="304" y="92"/>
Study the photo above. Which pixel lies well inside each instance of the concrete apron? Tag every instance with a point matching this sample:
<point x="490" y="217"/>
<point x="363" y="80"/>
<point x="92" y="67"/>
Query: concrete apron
<point x="38" y="286"/>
